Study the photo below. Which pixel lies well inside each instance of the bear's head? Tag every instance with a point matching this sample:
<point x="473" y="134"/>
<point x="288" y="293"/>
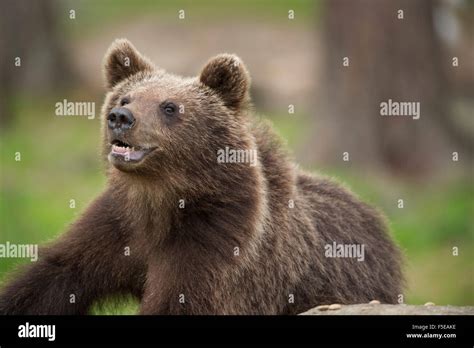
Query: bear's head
<point x="157" y="124"/>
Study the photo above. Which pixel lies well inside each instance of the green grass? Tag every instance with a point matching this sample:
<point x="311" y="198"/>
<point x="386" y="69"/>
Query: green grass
<point x="60" y="162"/>
<point x="123" y="305"/>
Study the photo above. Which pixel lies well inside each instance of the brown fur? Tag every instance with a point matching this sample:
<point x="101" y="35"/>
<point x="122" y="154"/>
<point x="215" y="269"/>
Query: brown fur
<point x="190" y="250"/>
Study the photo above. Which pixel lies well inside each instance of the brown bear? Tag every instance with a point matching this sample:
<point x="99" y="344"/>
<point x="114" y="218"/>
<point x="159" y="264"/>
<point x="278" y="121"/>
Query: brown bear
<point x="204" y="213"/>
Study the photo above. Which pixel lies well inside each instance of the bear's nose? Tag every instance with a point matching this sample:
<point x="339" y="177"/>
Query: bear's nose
<point x="120" y="119"/>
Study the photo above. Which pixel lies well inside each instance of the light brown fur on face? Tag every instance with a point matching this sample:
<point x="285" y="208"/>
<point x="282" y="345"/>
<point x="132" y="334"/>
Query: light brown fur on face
<point x="205" y="237"/>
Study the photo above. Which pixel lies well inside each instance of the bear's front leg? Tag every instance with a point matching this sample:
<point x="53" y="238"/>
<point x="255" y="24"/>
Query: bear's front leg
<point x="46" y="287"/>
<point x="90" y="261"/>
<point x="183" y="283"/>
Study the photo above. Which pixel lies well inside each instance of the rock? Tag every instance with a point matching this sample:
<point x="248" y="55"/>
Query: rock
<point x="388" y="309"/>
<point x="374" y="302"/>
<point x="322" y="308"/>
<point x="334" y="307"/>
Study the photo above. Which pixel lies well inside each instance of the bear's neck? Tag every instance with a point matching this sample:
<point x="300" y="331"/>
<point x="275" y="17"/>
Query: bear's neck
<point x="247" y="197"/>
<point x="236" y="195"/>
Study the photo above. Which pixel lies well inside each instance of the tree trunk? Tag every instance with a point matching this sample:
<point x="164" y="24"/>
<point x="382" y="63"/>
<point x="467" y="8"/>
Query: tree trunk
<point x="31" y="31"/>
<point x="389" y="58"/>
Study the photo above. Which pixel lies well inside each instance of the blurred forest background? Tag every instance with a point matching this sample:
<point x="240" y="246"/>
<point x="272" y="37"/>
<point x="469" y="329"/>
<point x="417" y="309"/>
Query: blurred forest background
<point x="295" y="62"/>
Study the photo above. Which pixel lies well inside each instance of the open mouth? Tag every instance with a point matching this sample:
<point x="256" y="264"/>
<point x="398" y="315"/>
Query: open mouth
<point x="126" y="152"/>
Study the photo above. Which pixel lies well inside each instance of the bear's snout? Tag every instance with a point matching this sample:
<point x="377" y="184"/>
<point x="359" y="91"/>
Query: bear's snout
<point x="120" y="120"/>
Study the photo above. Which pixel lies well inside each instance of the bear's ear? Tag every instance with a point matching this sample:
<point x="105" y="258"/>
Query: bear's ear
<point x="227" y="75"/>
<point x="123" y="60"/>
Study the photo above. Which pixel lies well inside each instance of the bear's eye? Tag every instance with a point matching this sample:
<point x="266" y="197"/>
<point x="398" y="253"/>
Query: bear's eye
<point x="169" y="108"/>
<point x="124" y="101"/>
